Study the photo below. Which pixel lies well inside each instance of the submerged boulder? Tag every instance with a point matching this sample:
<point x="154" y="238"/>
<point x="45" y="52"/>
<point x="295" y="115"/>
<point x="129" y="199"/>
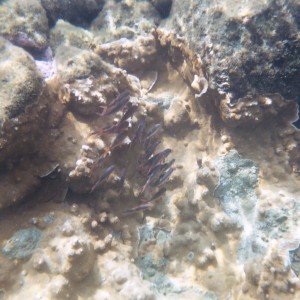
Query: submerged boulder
<point x="247" y="47"/>
<point x="25" y="24"/>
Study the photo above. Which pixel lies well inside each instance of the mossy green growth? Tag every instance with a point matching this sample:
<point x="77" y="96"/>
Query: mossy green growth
<point x="24" y="20"/>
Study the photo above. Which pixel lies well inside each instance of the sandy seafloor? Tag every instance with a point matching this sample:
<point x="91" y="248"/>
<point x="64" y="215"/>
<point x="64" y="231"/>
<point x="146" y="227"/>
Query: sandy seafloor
<point x="184" y="187"/>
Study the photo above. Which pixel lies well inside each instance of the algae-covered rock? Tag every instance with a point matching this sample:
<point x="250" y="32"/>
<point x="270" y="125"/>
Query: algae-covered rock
<point x="74" y="11"/>
<point x="24" y="23"/>
<point x="70" y="35"/>
<point x="74" y="63"/>
<point x="122" y="19"/>
<point x="20" y="81"/>
<point x="22" y="244"/>
<point x="249" y="47"/>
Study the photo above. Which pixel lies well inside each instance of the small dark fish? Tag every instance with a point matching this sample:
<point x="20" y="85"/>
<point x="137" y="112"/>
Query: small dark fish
<point x="129" y="112"/>
<point x="139" y="131"/>
<point x="143" y="206"/>
<point x="122" y="126"/>
<point x="122" y="178"/>
<point x="155" y="159"/>
<point x="156" y="169"/>
<point x="162" y="167"/>
<point x="119" y="140"/>
<point x="158" y="194"/>
<point x="106" y="130"/>
<point x="105" y="174"/>
<point x="149" y="181"/>
<point x="112" y="129"/>
<point x="51" y="172"/>
<point x="117" y="107"/>
<point x="119" y="98"/>
<point x="99" y="160"/>
<point x="151" y="149"/>
<point x="155" y="174"/>
<point x="163" y="177"/>
<point x="152" y="131"/>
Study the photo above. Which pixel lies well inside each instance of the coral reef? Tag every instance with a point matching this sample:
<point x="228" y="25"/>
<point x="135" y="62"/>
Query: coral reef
<point x="134" y="171"/>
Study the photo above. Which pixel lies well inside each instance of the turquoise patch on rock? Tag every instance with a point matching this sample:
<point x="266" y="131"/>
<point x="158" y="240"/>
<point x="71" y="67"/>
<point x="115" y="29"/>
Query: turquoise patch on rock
<point x="236" y="189"/>
<point x="22" y="244"/>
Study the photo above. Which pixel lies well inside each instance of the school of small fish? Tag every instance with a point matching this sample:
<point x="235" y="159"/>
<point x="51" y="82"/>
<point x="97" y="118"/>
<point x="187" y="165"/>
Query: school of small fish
<point x="151" y="166"/>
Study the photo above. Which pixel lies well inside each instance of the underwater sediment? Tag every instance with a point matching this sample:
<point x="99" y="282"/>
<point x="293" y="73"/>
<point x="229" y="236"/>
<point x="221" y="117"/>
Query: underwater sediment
<point x="147" y="150"/>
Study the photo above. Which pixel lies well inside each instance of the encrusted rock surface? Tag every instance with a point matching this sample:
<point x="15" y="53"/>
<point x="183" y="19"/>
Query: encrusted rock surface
<point x="130" y="55"/>
<point x="22" y="244"/>
<point x="220" y="223"/>
<point x="251" y="110"/>
<point x="25" y="24"/>
<point x="123" y="19"/>
<point x="20" y="85"/>
<point x="74" y="11"/>
<point x="247" y="47"/>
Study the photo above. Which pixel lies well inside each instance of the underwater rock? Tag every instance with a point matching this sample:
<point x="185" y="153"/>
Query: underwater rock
<point x="22" y="244"/>
<point x="177" y="116"/>
<point x="64" y="33"/>
<point x="16" y="184"/>
<point x="23" y="115"/>
<point x="272" y="276"/>
<point x="163" y="7"/>
<point x="59" y="287"/>
<point x="124" y="19"/>
<point x="186" y="62"/>
<point x="74" y="63"/>
<point x="85" y="97"/>
<point x="130" y="55"/>
<point x="78" y="12"/>
<point x="245" y="48"/>
<point x="21" y="82"/>
<point x="196" y="239"/>
<point x="77" y="259"/>
<point x="80" y="178"/>
<point x="253" y="110"/>
<point x="25" y="24"/>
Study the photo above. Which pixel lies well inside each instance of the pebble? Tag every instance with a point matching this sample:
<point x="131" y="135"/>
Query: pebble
<point x="94" y="224"/>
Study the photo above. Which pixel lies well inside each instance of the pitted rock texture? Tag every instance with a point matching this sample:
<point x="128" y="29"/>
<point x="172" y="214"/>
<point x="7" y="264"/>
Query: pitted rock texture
<point x="247" y="47"/>
<point x="24" y="23"/>
<point x="251" y="110"/>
